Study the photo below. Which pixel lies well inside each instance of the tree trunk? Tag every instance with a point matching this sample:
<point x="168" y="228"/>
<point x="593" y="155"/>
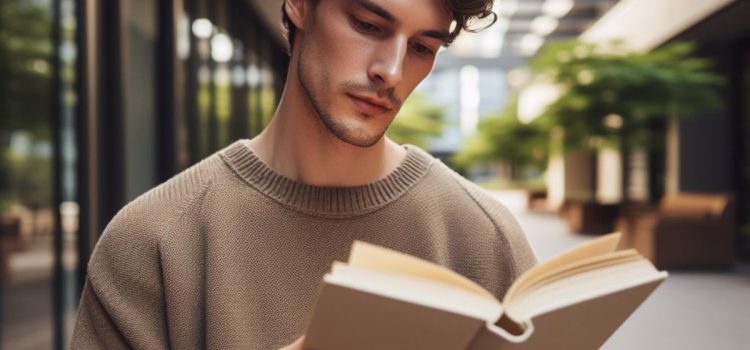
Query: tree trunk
<point x="672" y="171"/>
<point x="625" y="158"/>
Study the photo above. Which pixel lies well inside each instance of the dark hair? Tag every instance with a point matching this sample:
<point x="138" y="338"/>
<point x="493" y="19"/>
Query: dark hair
<point x="464" y="12"/>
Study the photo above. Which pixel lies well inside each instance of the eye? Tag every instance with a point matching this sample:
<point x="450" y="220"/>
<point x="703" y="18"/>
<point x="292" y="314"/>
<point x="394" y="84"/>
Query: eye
<point x="365" y="27"/>
<point x="422" y="50"/>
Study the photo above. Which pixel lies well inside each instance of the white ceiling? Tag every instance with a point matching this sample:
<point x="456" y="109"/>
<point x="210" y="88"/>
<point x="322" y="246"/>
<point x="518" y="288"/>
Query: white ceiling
<point x="641" y="24"/>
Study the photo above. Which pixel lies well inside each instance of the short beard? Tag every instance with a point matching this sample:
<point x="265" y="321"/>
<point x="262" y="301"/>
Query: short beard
<point x="339" y="129"/>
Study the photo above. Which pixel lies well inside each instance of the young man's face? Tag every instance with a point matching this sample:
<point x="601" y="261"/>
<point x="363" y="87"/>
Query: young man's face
<point x="360" y="59"/>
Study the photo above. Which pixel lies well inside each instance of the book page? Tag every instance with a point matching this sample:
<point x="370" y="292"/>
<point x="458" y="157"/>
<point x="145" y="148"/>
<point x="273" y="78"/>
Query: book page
<point x="581" y="287"/>
<point x="374" y="257"/>
<point x="415" y="290"/>
<point x="576" y="267"/>
<point x="599" y="246"/>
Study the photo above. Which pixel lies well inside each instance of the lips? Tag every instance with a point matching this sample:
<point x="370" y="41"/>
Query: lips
<point x="369" y="106"/>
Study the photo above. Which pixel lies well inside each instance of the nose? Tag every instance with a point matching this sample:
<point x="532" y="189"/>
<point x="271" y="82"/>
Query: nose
<point x="387" y="67"/>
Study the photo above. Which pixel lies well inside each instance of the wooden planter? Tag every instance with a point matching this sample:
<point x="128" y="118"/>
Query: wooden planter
<point x="536" y="201"/>
<point x="10" y="232"/>
<point x="590" y="217"/>
<point x="686" y="230"/>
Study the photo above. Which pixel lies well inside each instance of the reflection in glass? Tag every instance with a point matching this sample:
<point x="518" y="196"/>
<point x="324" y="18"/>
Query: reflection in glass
<point x="230" y="83"/>
<point x="26" y="211"/>
<point x="27" y="176"/>
<point x="69" y="209"/>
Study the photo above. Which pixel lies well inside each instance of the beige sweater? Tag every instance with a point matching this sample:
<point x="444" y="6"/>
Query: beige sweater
<point x="230" y="255"/>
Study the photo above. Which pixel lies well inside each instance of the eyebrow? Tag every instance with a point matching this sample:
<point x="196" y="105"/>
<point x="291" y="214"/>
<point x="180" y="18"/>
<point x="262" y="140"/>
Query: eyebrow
<point x="380" y="11"/>
<point x="435" y="34"/>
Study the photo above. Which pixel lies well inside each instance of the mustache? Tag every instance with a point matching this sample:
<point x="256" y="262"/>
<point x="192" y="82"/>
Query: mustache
<point x="372" y="88"/>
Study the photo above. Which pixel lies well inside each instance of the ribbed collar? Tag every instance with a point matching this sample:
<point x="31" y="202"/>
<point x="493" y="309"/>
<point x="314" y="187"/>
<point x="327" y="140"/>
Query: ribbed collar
<point x="330" y="202"/>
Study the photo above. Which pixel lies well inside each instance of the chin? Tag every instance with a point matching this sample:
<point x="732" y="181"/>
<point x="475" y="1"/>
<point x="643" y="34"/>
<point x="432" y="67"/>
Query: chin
<point x="361" y="139"/>
<point x="356" y="135"/>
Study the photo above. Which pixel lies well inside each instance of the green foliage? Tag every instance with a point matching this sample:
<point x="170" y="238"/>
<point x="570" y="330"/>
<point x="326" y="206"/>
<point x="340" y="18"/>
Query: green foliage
<point x="24" y="67"/>
<point x="25" y="100"/>
<point x="31" y="180"/>
<point x="5" y="175"/>
<point x="418" y="122"/>
<point x="614" y="96"/>
<point x="25" y="179"/>
<point x="502" y="137"/>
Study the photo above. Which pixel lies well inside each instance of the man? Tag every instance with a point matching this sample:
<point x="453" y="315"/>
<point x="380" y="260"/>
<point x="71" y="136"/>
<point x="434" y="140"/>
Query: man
<point x="231" y="252"/>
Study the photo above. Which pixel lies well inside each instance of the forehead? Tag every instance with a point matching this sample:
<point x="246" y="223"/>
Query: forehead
<point x="424" y="14"/>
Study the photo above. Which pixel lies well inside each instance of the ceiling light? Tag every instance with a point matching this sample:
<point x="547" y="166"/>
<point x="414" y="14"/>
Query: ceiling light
<point x="203" y="28"/>
<point x="557" y="8"/>
<point x="221" y="48"/>
<point x="544" y="25"/>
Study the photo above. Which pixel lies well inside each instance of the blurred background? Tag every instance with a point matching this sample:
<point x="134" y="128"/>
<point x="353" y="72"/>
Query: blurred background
<point x="582" y="116"/>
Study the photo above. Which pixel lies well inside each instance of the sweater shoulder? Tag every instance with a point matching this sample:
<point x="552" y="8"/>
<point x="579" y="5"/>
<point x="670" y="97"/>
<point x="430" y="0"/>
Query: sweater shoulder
<point x="170" y="200"/>
<point x="125" y="273"/>
<point x="173" y="197"/>
<point x="494" y="210"/>
<point x="507" y="228"/>
<point x="136" y="230"/>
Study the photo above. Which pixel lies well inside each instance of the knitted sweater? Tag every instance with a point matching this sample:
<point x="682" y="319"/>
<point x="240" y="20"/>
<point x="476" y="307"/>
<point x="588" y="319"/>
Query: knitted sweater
<point x="229" y="254"/>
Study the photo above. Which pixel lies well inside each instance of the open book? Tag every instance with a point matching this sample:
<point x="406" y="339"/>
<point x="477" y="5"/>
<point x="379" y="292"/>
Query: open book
<point x="384" y="299"/>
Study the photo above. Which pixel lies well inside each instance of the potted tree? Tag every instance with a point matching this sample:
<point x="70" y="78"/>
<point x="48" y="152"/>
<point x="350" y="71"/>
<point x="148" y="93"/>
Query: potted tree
<point x="616" y="98"/>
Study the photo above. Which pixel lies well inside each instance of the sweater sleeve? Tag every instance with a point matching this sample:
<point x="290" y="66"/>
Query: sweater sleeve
<point x="122" y="304"/>
<point x="95" y="328"/>
<point x="510" y="231"/>
<point x="514" y="245"/>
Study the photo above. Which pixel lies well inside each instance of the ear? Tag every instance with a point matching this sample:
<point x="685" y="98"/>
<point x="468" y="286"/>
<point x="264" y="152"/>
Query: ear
<point x="296" y="10"/>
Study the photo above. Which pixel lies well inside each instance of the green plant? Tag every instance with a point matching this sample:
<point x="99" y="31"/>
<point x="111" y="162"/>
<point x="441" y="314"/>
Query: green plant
<point x="24" y="67"/>
<point x="418" y="122"/>
<point x="5" y="182"/>
<point x="25" y="179"/>
<point x="502" y="137"/>
<point x="25" y="103"/>
<point x="615" y="97"/>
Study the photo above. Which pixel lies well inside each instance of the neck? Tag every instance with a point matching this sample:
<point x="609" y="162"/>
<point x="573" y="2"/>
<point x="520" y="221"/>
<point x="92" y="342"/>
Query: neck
<point x="297" y="145"/>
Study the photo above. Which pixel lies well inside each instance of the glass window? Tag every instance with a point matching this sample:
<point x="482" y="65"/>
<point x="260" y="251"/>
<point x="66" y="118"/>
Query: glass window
<point x="230" y="82"/>
<point x="29" y="141"/>
<point x="26" y="209"/>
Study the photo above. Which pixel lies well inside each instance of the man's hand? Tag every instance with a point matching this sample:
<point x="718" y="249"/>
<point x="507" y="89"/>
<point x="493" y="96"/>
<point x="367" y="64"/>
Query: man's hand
<point x="297" y="345"/>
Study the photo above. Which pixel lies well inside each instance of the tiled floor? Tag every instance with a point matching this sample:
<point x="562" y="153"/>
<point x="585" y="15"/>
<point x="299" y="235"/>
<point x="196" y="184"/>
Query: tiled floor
<point x="690" y="310"/>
